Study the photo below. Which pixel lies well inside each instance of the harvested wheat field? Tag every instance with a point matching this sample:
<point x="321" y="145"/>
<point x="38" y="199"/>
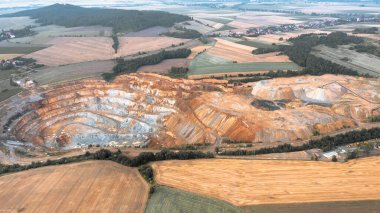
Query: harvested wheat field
<point x="9" y="56"/>
<point x="133" y="45"/>
<point x="254" y="182"/>
<point x="242" y="53"/>
<point x="92" y="186"/>
<point x="74" y="50"/>
<point x="66" y="50"/>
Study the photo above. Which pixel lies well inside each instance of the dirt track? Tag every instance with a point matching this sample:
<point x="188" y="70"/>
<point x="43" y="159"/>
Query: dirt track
<point x="92" y="186"/>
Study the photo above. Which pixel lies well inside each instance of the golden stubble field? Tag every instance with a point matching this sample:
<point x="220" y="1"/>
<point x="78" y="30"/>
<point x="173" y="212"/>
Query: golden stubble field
<point x="242" y="53"/>
<point x="71" y="50"/>
<point x="92" y="186"/>
<point x="254" y="182"/>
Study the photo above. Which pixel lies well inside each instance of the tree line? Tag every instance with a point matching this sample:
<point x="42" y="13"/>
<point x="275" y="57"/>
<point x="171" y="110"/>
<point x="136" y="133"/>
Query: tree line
<point x="120" y="20"/>
<point x="183" y="32"/>
<point x="132" y="65"/>
<point x="326" y="143"/>
<point x="118" y="157"/>
<point x="116" y="42"/>
<point x="366" y="30"/>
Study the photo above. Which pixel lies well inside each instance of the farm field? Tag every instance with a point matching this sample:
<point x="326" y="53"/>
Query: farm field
<point x="74" y="50"/>
<point x="245" y="67"/>
<point x="246" y="182"/>
<point x="362" y="62"/>
<point x="150" y="32"/>
<point x="21" y="49"/>
<point x="165" y="199"/>
<point x="197" y="50"/>
<point x="133" y="45"/>
<point x="81" y="187"/>
<point x="201" y="26"/>
<point x="318" y="7"/>
<point x="275" y="38"/>
<point x="71" y="50"/>
<point x="241" y="53"/>
<point x="258" y="19"/>
<point x="8" y="92"/>
<point x="16" y="23"/>
<point x="9" y="56"/>
<point x="165" y="65"/>
<point x="51" y="75"/>
<point x="46" y="34"/>
<point x="207" y="60"/>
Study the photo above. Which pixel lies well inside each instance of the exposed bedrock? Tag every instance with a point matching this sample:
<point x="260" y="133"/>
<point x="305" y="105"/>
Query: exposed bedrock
<point x="149" y="109"/>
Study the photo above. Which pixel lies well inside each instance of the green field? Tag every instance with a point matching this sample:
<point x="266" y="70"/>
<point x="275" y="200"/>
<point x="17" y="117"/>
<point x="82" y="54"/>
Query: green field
<point x="226" y="27"/>
<point x="362" y="62"/>
<point x="245" y="67"/>
<point x="6" y="93"/>
<point x="257" y="44"/>
<point x="221" y="20"/>
<point x="166" y="199"/>
<point x="345" y="206"/>
<point x="207" y="60"/>
<point x="19" y="50"/>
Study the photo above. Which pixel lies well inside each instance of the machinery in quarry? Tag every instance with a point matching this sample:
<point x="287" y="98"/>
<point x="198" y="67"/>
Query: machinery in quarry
<point x="141" y="110"/>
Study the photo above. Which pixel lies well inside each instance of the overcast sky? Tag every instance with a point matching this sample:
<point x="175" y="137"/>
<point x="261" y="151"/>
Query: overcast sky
<point x="24" y="3"/>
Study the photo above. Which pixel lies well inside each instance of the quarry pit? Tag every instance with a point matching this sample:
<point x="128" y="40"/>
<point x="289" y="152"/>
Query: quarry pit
<point x="149" y="110"/>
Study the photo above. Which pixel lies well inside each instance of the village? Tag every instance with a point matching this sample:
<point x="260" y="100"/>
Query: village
<point x="315" y="24"/>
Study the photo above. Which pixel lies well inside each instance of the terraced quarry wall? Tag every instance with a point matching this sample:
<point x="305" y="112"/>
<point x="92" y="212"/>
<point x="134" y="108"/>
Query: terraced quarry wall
<point x="153" y="110"/>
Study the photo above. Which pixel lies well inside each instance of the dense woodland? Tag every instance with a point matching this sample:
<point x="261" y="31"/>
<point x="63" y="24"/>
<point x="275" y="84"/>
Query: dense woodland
<point x="104" y="154"/>
<point x="131" y="66"/>
<point x="327" y="143"/>
<point x="120" y="20"/>
<point x="300" y="52"/>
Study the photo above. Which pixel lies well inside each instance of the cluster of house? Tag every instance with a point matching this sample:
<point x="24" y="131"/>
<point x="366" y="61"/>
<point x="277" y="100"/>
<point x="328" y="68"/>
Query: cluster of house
<point x="315" y="24"/>
<point x="4" y="35"/>
<point x="10" y="63"/>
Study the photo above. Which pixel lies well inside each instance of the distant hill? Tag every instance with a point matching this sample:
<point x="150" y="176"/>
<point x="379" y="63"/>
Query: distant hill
<point x="121" y="20"/>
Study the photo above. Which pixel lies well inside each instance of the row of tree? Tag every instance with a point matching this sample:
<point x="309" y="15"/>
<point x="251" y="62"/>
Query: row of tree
<point x="132" y="65"/>
<point x="104" y="154"/>
<point x="366" y="30"/>
<point x="367" y="48"/>
<point x="326" y="143"/>
<point x="259" y="51"/>
<point x="184" y="33"/>
<point x="116" y="42"/>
